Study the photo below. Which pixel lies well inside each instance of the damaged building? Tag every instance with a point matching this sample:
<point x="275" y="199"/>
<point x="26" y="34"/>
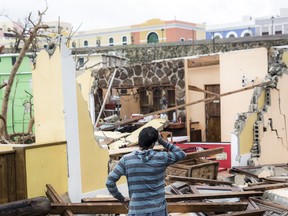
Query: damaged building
<point x="235" y="98"/>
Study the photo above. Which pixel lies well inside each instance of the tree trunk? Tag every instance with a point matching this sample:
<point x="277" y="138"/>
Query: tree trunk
<point x="38" y="206"/>
<point x="3" y="132"/>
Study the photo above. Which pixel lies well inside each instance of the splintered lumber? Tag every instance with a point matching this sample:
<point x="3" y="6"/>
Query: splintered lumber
<point x="38" y="206"/>
<point x="204" y="153"/>
<point x="55" y="198"/>
<point x="266" y="187"/>
<point x="196" y="180"/>
<point x="118" y="208"/>
<point x="183" y="197"/>
<point x="256" y="212"/>
<point x="271" y="204"/>
<point x="122" y="151"/>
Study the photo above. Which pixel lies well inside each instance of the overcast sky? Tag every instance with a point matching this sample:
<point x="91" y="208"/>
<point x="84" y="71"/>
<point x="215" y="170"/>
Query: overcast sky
<point x="95" y="14"/>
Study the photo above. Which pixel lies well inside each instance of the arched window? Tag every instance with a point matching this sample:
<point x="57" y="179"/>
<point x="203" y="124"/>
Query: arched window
<point x="111" y="42"/>
<point x="74" y="44"/>
<point x="124" y="40"/>
<point x="85" y="43"/>
<point x="231" y="34"/>
<point x="247" y="35"/>
<point x="182" y="39"/>
<point x="152" y="38"/>
<point x="98" y="43"/>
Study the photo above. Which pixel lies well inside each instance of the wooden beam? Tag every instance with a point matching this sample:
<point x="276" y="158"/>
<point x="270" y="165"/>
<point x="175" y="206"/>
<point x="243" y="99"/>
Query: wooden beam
<point x="55" y="198"/>
<point x="183" y="197"/>
<point x="193" y="103"/>
<point x="39" y="206"/>
<point x="196" y="180"/>
<point x="204" y="153"/>
<point x="118" y="208"/>
<point x="270" y="204"/>
<point x="256" y="212"/>
<point x="195" y="88"/>
<point x="176" y="198"/>
<point x="122" y="151"/>
<point x="203" y="64"/>
<point x="266" y="187"/>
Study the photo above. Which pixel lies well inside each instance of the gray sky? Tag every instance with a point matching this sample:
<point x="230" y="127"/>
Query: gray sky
<point x="95" y="14"/>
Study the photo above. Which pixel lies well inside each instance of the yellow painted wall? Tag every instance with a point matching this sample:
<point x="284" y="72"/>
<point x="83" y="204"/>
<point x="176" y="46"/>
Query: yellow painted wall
<point x="94" y="160"/>
<point x="46" y="164"/>
<point x="261" y="100"/>
<point x="199" y="77"/>
<point x="103" y="35"/>
<point x="48" y="99"/>
<point x="85" y="81"/>
<point x="246" y="136"/>
<point x="149" y="23"/>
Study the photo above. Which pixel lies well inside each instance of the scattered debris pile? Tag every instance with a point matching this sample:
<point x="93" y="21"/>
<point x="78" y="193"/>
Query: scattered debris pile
<point x="193" y="186"/>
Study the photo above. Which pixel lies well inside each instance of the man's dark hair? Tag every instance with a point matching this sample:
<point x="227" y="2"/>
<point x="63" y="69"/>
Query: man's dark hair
<point x="147" y="137"/>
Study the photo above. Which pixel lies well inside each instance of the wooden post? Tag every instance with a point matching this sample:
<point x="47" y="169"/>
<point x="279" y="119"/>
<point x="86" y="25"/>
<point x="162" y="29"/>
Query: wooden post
<point x="39" y="206"/>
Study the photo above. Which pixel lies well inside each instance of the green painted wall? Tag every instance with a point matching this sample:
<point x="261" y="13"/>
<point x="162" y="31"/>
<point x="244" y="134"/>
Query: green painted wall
<point x="19" y="102"/>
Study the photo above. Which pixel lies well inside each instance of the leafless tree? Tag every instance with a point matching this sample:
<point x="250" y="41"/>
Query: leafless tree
<point x="28" y="34"/>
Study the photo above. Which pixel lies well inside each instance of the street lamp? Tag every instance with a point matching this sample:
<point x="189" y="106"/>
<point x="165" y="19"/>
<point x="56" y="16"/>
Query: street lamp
<point x="213" y="41"/>
<point x="272" y="27"/>
<point x="162" y="30"/>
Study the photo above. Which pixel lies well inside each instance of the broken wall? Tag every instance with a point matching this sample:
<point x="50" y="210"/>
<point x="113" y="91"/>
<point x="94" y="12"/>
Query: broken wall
<point x="61" y="114"/>
<point x="267" y="132"/>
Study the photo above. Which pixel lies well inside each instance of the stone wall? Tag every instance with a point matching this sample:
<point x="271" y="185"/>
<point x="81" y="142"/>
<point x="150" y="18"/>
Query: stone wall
<point x="149" y="52"/>
<point x="166" y="72"/>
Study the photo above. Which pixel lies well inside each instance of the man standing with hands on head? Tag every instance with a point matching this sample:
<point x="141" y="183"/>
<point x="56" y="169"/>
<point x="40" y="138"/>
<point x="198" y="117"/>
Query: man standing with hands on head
<point x="145" y="173"/>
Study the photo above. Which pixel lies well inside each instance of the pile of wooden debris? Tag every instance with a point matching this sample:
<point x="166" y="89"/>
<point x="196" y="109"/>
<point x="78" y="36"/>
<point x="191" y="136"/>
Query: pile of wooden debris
<point x="193" y="186"/>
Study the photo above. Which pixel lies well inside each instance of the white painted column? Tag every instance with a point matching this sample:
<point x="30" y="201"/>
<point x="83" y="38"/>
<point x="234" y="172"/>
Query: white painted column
<point x="71" y="124"/>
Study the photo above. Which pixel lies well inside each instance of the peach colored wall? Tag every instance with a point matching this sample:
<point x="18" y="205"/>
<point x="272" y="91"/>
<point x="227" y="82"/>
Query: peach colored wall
<point x="175" y="34"/>
<point x="273" y="142"/>
<point x="199" y="77"/>
<point x="233" y="65"/>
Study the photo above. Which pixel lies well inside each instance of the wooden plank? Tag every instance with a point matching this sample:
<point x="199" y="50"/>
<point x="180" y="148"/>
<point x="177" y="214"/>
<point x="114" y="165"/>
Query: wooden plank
<point x="7" y="177"/>
<point x="3" y="180"/>
<point x="266" y="187"/>
<point x="11" y="177"/>
<point x="122" y="151"/>
<point x="271" y="204"/>
<point x="204" y="153"/>
<point x="118" y="208"/>
<point x="183" y="197"/>
<point x="257" y="212"/>
<point x="194" y="102"/>
<point x="176" y="198"/>
<point x="54" y="197"/>
<point x="196" y="180"/>
<point x="39" y="206"/>
<point x="20" y="169"/>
